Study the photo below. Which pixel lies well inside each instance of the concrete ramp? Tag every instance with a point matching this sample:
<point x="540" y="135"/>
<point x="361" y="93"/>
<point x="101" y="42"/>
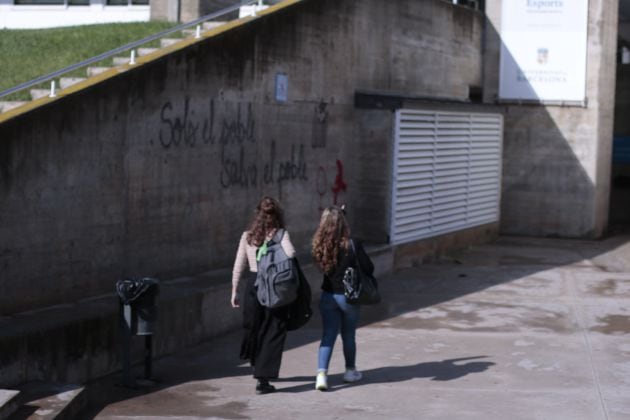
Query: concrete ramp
<point x="50" y="401"/>
<point x="520" y="329"/>
<point x="8" y="402"/>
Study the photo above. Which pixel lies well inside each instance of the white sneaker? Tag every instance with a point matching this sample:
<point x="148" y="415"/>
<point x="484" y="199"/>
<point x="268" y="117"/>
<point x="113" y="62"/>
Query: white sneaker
<point x="321" y="383"/>
<point x="352" y="375"/>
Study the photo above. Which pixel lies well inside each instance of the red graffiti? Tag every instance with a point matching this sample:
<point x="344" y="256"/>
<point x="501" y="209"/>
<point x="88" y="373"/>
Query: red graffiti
<point x="340" y="184"/>
<point x="322" y="186"/>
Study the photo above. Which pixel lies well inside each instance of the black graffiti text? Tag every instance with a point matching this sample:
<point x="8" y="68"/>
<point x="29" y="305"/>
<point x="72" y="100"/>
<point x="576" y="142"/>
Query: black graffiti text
<point x="182" y="129"/>
<point x="291" y="169"/>
<point x="236" y="172"/>
<point x="238" y="131"/>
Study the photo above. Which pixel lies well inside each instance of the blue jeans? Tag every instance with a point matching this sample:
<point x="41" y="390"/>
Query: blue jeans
<point x="337" y="314"/>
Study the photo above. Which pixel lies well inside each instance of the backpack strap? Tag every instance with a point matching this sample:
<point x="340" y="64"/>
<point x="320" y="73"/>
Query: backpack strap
<point x="262" y="250"/>
<point x="277" y="237"/>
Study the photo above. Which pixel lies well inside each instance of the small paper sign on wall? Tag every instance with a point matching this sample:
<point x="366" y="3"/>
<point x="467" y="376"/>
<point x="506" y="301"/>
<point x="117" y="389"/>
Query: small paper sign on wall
<point x="282" y="87"/>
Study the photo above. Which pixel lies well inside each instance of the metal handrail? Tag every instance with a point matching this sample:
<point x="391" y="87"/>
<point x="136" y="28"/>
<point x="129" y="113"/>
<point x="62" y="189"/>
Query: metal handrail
<point x="126" y="47"/>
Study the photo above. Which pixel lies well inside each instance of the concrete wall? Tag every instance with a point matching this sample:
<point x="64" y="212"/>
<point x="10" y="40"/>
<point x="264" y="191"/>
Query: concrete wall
<point x="622" y="101"/>
<point x="168" y="10"/>
<point x="156" y="171"/>
<point x="556" y="174"/>
<point x="620" y="179"/>
<point x="624" y="29"/>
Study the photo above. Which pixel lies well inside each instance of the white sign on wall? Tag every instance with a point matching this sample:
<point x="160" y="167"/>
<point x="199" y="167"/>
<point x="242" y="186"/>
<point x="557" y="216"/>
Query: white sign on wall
<point x="543" y="50"/>
<point x="282" y="87"/>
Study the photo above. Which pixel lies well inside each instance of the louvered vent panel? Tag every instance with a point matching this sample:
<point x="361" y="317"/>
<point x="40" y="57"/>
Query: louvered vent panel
<point x="447" y="173"/>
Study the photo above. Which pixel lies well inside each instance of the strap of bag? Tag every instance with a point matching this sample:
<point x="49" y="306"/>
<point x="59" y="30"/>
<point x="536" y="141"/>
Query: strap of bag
<point x="354" y="252"/>
<point x="277" y="239"/>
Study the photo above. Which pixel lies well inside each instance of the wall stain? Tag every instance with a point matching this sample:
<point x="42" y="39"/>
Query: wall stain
<point x="613" y="325"/>
<point x="320" y="125"/>
<point x="482" y="319"/>
<point x="182" y="402"/>
<point x="518" y="260"/>
<point x="606" y="288"/>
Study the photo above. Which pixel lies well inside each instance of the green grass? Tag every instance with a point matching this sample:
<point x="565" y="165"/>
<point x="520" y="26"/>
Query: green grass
<point x="29" y="53"/>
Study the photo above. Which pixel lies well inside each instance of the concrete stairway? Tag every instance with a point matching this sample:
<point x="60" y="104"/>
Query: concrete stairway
<point x="66" y="82"/>
<point x="8" y="105"/>
<point x="39" y="93"/>
<point x="44" y="401"/>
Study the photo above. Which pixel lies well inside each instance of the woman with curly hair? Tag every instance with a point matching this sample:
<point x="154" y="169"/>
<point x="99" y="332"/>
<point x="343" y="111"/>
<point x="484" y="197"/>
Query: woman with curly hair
<point x="333" y="253"/>
<point x="265" y="329"/>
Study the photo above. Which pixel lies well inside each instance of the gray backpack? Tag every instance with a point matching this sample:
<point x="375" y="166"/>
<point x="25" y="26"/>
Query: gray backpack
<point x="277" y="279"/>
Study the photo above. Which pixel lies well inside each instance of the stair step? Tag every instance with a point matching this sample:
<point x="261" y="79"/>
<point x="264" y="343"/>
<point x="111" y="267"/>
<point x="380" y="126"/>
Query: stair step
<point x="206" y="26"/>
<point x="8" y="105"/>
<point x="65" y="82"/>
<point x="8" y="402"/>
<point x="93" y="71"/>
<point x="39" y="93"/>
<point x="48" y="401"/>
<point x="245" y="11"/>
<point x="167" y="42"/>
<point x="146" y="51"/>
<point x="212" y="24"/>
<point x="119" y="61"/>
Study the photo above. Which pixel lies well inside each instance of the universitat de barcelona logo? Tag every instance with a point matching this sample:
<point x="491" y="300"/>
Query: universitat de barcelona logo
<point x="543" y="56"/>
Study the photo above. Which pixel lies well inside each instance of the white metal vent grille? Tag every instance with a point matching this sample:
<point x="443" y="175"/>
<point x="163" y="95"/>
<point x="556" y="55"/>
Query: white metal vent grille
<point x="447" y="172"/>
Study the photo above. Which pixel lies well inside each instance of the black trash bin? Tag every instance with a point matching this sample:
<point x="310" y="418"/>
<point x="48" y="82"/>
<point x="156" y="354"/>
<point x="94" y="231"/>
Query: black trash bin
<point x="138" y="297"/>
<point x="138" y="313"/>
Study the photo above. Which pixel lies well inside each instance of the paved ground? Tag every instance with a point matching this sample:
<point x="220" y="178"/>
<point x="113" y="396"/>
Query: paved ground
<point x="519" y="329"/>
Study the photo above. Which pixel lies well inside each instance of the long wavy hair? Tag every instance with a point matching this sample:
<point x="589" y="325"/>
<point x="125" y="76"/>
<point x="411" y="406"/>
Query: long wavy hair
<point x="331" y="236"/>
<point x="268" y="218"/>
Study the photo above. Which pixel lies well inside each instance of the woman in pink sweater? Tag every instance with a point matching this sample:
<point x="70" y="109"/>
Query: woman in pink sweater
<point x="265" y="329"/>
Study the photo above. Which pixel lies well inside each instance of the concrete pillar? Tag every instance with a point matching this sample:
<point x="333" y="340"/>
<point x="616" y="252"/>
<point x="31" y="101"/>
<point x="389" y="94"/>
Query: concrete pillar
<point x="5" y="7"/>
<point x="169" y="10"/>
<point x="189" y="10"/>
<point x="557" y="160"/>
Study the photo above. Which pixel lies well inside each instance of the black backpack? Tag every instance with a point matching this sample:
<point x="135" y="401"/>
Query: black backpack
<point x="277" y="280"/>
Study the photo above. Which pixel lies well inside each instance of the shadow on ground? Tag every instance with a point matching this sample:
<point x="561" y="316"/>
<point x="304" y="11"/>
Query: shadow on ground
<point x="445" y="370"/>
<point x="511" y="265"/>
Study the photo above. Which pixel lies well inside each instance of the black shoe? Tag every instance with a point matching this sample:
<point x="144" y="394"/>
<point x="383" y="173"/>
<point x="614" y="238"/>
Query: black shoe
<point x="264" y="387"/>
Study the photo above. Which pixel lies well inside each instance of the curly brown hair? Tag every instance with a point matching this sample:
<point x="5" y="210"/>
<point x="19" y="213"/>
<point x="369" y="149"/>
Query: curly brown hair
<point x="268" y="218"/>
<point x="331" y="236"/>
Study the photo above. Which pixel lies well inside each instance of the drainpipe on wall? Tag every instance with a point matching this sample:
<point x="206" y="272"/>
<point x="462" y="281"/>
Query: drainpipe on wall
<point x="484" y="40"/>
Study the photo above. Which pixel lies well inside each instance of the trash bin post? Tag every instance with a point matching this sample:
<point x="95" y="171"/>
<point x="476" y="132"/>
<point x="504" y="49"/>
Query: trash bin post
<point x="128" y="380"/>
<point x="148" y="350"/>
